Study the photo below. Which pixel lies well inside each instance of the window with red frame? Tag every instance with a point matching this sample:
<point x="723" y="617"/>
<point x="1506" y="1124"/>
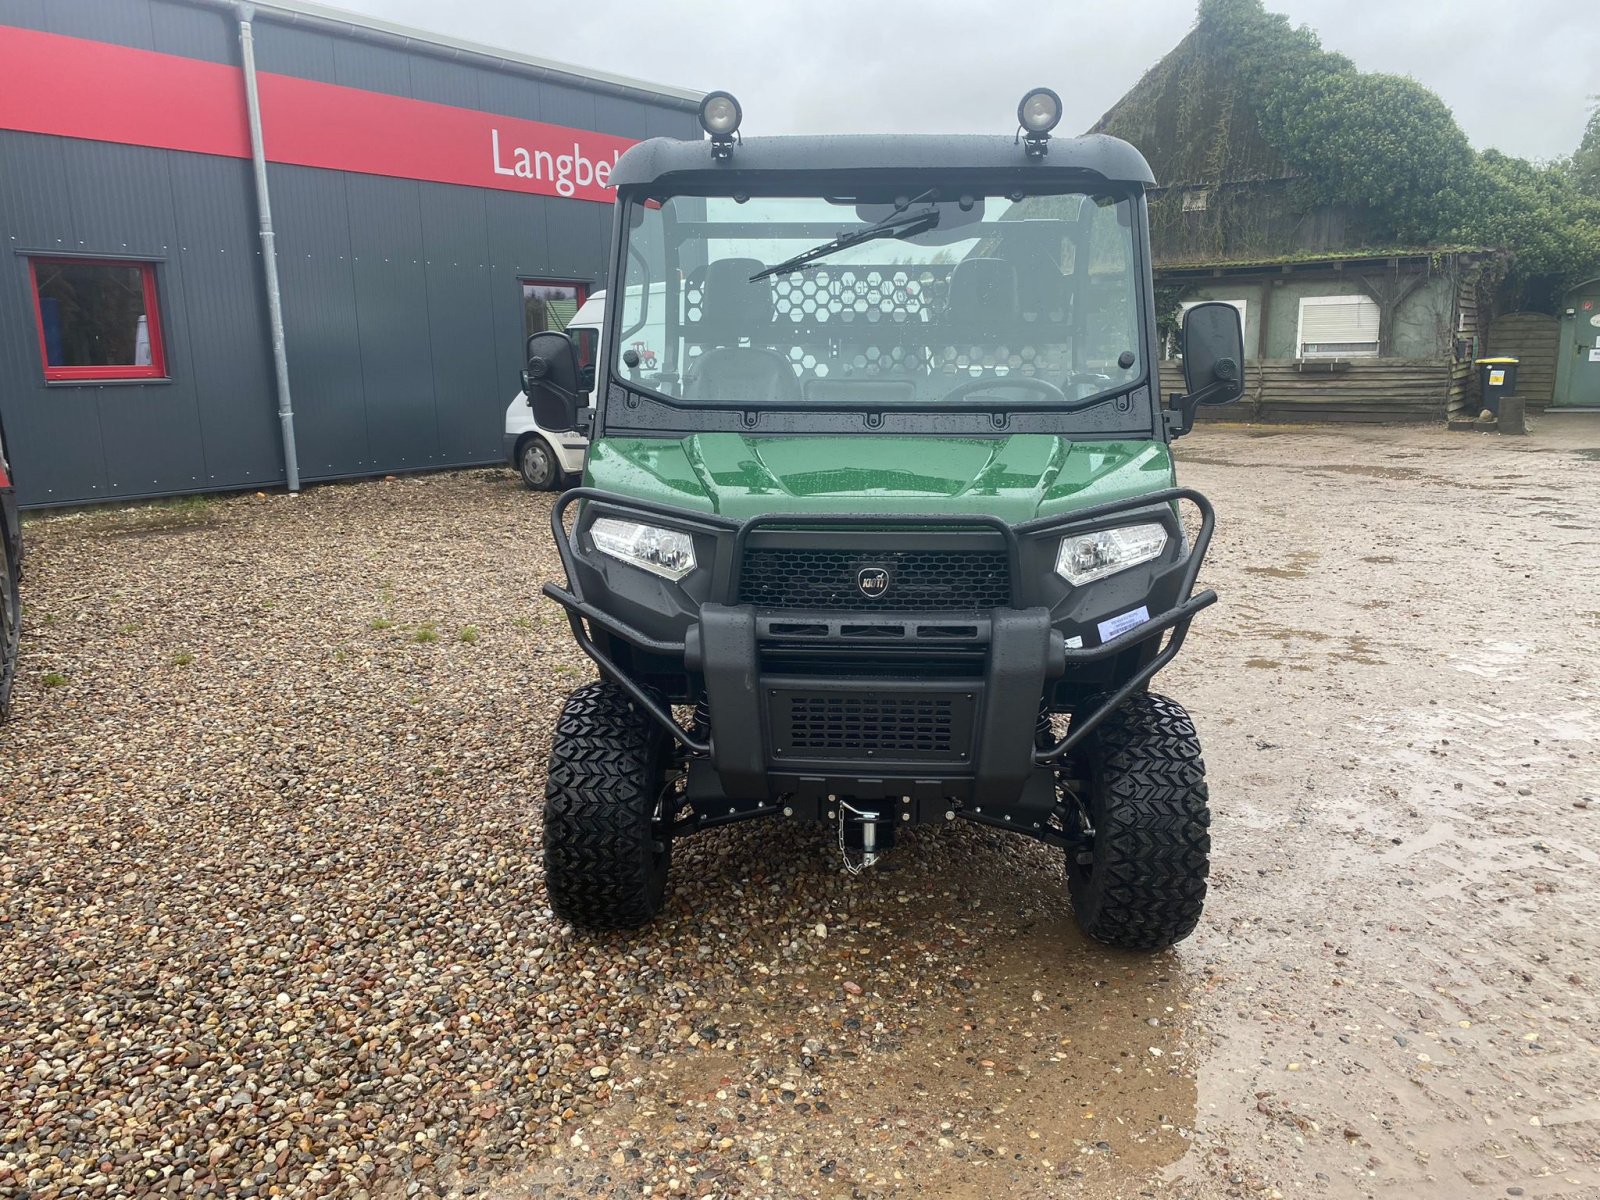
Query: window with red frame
<point x="98" y="319"/>
<point x="548" y="306"/>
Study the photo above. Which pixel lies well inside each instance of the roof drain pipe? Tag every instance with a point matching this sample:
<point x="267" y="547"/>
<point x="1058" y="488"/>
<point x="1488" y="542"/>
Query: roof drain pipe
<point x="269" y="252"/>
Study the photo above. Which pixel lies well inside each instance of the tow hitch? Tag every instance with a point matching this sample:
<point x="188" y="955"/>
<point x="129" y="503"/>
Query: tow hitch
<point x="864" y="832"/>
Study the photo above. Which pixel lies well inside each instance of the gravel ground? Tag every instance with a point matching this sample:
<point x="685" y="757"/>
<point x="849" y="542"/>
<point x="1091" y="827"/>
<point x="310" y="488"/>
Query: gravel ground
<point x="273" y="924"/>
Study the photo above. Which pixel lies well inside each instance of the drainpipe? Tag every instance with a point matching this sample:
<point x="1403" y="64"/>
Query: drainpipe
<point x="269" y="253"/>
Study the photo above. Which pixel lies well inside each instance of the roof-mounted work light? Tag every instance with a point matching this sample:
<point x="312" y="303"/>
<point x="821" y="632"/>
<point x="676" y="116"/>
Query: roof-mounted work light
<point x="720" y="115"/>
<point x="1038" y="114"/>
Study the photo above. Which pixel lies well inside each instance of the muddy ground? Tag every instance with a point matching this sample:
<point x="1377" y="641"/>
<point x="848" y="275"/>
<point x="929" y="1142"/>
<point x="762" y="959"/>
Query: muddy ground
<point x="272" y="923"/>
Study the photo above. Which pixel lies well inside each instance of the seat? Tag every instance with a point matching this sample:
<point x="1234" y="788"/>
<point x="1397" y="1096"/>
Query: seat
<point x="733" y="309"/>
<point x="983" y="296"/>
<point x="1041" y="289"/>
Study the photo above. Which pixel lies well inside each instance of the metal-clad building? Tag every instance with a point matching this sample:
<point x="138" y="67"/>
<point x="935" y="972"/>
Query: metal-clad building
<point x="432" y="202"/>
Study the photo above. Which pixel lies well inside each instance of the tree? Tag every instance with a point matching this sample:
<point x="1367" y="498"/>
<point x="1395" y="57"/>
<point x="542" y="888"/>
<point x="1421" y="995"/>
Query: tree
<point x="1390" y="147"/>
<point x="1585" y="166"/>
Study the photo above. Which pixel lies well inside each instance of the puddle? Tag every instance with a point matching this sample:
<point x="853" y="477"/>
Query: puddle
<point x="1021" y="1060"/>
<point x="1368" y="472"/>
<point x="1206" y="460"/>
<point x="1297" y="567"/>
<point x="1411" y="475"/>
<point x="1283" y="634"/>
<point x="1492" y="660"/>
<point x="1360" y="649"/>
<point x="1051" y="1056"/>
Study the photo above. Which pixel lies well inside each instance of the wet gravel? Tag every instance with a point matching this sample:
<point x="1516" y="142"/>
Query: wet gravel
<point x="271" y="922"/>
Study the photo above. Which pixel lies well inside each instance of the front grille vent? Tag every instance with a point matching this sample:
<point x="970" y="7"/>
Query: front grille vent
<point x="862" y="725"/>
<point x="918" y="580"/>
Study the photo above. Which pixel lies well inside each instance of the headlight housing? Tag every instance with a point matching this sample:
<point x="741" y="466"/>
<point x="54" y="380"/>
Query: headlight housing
<point x="1085" y="557"/>
<point x="665" y="552"/>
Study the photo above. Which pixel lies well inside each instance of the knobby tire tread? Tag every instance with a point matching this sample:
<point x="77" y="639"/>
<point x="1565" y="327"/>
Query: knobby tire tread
<point x="1146" y="886"/>
<point x="602" y="869"/>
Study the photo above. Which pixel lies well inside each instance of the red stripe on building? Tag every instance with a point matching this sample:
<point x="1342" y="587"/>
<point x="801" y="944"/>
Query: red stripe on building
<point x="346" y="129"/>
<point x="83" y="89"/>
<point x="77" y="88"/>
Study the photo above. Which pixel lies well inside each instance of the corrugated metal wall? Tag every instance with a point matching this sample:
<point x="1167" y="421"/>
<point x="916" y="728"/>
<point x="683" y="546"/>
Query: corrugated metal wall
<point x="402" y="300"/>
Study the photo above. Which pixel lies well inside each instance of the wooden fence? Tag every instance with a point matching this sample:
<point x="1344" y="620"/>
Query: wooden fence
<point x="1535" y="339"/>
<point x="1371" y="390"/>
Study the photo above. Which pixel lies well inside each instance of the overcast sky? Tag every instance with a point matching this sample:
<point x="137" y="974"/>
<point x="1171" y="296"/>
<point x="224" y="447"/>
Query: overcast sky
<point x="1516" y="72"/>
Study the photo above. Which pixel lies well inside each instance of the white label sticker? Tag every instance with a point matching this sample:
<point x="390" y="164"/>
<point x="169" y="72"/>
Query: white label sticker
<point x="1117" y="626"/>
<point x="1595" y="320"/>
<point x="1594" y="356"/>
<point x="1074" y="643"/>
<point x="1496" y="378"/>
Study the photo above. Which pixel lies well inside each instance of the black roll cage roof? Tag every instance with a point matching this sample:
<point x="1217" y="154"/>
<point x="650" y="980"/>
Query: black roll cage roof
<point x="1095" y="158"/>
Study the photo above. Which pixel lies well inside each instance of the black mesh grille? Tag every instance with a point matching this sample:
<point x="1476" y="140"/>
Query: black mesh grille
<point x="919" y="580"/>
<point x="867" y="726"/>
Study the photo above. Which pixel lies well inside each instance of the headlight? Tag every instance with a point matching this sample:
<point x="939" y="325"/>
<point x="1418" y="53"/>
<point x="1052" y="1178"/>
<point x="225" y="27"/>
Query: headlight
<point x="1085" y="557"/>
<point x="1039" y="112"/>
<point x="720" y="114"/>
<point x="666" y="552"/>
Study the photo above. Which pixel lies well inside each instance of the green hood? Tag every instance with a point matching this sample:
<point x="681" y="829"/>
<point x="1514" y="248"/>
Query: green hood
<point x="1014" y="478"/>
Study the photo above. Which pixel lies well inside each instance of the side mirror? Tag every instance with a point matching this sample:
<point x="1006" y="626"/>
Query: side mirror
<point x="551" y="382"/>
<point x="1213" y="359"/>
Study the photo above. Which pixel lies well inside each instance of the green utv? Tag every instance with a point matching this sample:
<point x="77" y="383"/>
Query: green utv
<point x="884" y="532"/>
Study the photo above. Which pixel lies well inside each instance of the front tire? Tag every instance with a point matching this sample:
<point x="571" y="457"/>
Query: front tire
<point x="536" y="463"/>
<point x="1144" y="883"/>
<point x="606" y="850"/>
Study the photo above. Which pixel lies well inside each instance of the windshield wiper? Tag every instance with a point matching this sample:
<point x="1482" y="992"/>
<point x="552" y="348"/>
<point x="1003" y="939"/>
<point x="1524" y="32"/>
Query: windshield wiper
<point x="898" y="225"/>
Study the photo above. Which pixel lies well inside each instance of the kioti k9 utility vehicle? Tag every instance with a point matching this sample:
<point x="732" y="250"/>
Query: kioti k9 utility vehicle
<point x="888" y="533"/>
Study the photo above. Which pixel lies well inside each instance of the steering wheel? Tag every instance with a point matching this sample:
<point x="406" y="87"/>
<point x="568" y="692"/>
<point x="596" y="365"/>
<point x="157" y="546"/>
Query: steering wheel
<point x="984" y="383"/>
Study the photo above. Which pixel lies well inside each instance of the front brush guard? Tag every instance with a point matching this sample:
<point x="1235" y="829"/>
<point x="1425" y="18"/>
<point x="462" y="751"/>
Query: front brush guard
<point x="1175" y="619"/>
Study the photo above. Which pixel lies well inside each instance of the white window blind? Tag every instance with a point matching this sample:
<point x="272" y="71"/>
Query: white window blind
<point x="1338" y="327"/>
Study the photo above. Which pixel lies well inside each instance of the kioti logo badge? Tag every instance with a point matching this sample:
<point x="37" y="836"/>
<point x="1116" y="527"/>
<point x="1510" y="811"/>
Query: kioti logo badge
<point x="873" y="581"/>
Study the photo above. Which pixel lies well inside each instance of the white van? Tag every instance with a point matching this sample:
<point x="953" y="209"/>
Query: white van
<point x="544" y="459"/>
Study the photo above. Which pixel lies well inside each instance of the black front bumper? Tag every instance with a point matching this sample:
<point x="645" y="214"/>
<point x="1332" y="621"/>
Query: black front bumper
<point x="863" y="730"/>
<point x="924" y="708"/>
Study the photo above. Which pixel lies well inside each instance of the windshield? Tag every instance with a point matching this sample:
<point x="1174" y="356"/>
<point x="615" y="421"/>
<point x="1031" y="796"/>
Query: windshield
<point x="1004" y="301"/>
